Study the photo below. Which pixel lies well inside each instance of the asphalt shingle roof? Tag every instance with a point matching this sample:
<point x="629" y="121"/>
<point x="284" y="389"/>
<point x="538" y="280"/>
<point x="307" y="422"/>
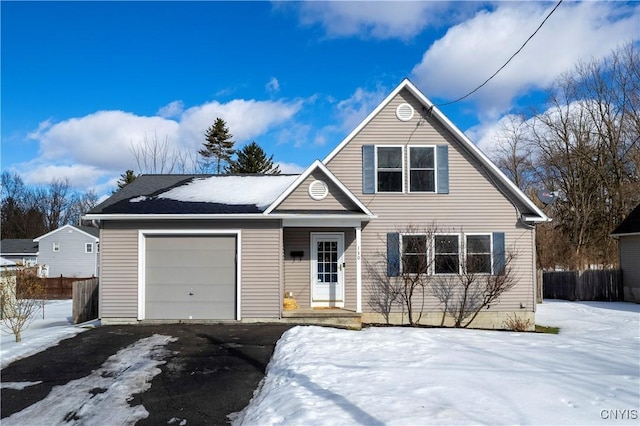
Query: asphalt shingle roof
<point x="631" y="224"/>
<point x="16" y="246"/>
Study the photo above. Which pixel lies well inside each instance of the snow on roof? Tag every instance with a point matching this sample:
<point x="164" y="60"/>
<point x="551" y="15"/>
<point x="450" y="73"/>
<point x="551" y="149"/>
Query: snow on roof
<point x="233" y="190"/>
<point x="6" y="262"/>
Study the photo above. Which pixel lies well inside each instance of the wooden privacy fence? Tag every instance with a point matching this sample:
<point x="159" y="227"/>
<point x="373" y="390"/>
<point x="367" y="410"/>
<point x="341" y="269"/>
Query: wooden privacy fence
<point x="604" y="285"/>
<point x="57" y="288"/>
<point x="85" y="300"/>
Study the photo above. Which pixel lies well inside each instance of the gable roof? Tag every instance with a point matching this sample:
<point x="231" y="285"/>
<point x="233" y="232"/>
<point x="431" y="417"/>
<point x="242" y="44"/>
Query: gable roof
<point x="94" y="237"/>
<point x="630" y="225"/>
<point x="301" y="178"/>
<point x="464" y="141"/>
<point x="19" y="246"/>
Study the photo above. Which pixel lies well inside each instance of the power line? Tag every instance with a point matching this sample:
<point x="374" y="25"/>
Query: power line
<point x="505" y="64"/>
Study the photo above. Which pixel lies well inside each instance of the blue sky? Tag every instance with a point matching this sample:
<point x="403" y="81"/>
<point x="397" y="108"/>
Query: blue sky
<point x="84" y="82"/>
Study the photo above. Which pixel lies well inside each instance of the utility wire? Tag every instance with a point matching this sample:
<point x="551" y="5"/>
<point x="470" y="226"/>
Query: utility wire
<point x="505" y="64"/>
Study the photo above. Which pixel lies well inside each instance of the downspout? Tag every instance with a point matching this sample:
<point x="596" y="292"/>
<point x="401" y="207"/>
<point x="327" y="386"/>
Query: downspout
<point x="358" y="269"/>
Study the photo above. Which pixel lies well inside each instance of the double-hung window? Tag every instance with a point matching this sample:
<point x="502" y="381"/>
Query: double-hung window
<point x="88" y="248"/>
<point x="56" y="247"/>
<point x="478" y="254"/>
<point x="422" y="170"/>
<point x="389" y="168"/>
<point x="414" y="254"/>
<point x="447" y="254"/>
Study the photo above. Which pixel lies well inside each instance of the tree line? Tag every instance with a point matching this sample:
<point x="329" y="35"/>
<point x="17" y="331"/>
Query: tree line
<point x="582" y="145"/>
<point x="154" y="156"/>
<point x="29" y="211"/>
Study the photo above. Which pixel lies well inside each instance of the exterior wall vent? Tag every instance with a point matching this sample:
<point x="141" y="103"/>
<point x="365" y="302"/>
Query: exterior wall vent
<point x="404" y="112"/>
<point x="318" y="190"/>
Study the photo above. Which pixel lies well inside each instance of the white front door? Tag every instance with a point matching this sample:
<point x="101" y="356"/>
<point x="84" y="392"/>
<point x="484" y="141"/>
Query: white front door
<point x="327" y="269"/>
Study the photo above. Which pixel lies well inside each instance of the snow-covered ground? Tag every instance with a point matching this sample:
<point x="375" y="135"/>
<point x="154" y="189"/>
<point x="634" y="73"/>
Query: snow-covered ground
<point x="40" y="334"/>
<point x="587" y="374"/>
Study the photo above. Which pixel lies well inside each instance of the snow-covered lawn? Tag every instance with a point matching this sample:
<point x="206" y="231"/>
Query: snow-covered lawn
<point x="587" y="374"/>
<point x="40" y="334"/>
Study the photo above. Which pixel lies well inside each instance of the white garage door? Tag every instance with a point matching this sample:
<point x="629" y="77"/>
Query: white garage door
<point x="190" y="277"/>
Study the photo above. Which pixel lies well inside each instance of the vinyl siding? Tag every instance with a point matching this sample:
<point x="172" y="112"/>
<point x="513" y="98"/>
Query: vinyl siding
<point x="260" y="257"/>
<point x="629" y="247"/>
<point x="71" y="260"/>
<point x="474" y="204"/>
<point x="297" y="272"/>
<point x="300" y="199"/>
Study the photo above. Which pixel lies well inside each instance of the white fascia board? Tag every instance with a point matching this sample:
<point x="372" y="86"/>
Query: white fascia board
<point x="247" y="216"/>
<point x="624" y="234"/>
<point x="291" y="188"/>
<point x="301" y="222"/>
<point x="190" y="216"/>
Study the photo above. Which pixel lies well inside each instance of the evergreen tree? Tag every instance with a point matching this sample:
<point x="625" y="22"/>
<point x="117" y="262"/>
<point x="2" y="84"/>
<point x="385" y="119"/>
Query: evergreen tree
<point x="218" y="145"/>
<point x="125" y="179"/>
<point x="252" y="159"/>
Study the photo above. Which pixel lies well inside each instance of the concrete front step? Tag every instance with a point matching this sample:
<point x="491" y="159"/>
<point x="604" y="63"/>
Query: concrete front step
<point x="332" y="317"/>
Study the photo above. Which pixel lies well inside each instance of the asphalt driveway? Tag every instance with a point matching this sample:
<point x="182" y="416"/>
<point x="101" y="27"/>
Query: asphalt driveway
<point x="210" y="371"/>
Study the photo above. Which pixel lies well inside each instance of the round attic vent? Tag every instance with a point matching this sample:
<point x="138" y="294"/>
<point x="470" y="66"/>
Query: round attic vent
<point x="318" y="190"/>
<point x="404" y="112"/>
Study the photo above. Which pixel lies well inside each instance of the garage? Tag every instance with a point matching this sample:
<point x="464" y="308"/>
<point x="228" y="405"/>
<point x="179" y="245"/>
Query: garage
<point x="190" y="277"/>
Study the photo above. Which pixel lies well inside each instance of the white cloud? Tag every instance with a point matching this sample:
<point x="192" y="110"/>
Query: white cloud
<point x="289" y="168"/>
<point x="273" y="86"/>
<point x="473" y="50"/>
<point x="173" y="109"/>
<point x="79" y="175"/>
<point x="90" y="150"/>
<point x="353" y="110"/>
<point x="378" y="19"/>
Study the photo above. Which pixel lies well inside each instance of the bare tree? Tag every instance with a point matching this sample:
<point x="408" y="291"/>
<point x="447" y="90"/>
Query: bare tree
<point x="156" y="156"/>
<point x="401" y="279"/>
<point x="585" y="143"/>
<point x="464" y="295"/>
<point x="21" y="295"/>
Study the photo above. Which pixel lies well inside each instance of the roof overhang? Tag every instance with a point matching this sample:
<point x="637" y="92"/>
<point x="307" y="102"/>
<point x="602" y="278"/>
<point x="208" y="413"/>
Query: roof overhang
<point x="625" y="234"/>
<point x="249" y="216"/>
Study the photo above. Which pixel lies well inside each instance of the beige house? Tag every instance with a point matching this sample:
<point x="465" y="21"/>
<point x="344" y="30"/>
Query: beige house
<point x="187" y="247"/>
<point x="628" y="235"/>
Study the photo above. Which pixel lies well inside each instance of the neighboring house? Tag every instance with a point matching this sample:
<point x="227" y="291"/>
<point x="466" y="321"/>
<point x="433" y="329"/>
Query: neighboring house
<point x="7" y="265"/>
<point x="230" y="247"/>
<point x="23" y="252"/>
<point x="628" y="235"/>
<point x="70" y="251"/>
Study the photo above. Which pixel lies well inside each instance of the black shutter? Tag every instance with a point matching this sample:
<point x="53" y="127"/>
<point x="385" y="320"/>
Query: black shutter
<point x="393" y="254"/>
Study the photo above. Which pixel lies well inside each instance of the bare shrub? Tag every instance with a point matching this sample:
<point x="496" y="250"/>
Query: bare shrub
<point x="20" y="303"/>
<point x="515" y="323"/>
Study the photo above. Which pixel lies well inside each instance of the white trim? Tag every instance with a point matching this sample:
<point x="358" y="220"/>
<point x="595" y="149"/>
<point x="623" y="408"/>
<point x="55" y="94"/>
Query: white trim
<point x="461" y="137"/>
<point x="435" y="169"/>
<point x="313" y="271"/>
<point x="375" y="172"/>
<point x="624" y="234"/>
<point x="323" y="223"/>
<point x="319" y="165"/>
<point x="433" y="247"/>
<point x="358" y="269"/>
<point x="60" y="229"/>
<point x="466" y="251"/>
<point x="401" y="117"/>
<point x="87" y="245"/>
<point x="55" y="247"/>
<point x="142" y="233"/>
<point x="253" y="216"/>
